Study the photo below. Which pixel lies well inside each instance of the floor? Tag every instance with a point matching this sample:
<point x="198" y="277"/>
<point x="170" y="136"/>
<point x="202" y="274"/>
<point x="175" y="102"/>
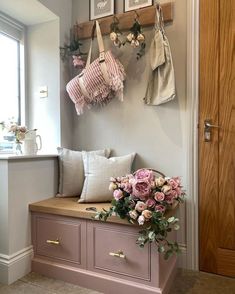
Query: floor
<point x="186" y="282"/>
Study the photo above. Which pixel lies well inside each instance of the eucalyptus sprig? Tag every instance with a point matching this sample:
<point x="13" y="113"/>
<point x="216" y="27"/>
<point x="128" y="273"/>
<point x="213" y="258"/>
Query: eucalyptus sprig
<point x="157" y="232"/>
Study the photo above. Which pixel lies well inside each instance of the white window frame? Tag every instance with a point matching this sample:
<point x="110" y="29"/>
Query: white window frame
<point x="16" y="30"/>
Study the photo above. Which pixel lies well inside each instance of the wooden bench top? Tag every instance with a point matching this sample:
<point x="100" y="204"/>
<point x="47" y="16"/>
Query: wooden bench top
<point x="70" y="207"/>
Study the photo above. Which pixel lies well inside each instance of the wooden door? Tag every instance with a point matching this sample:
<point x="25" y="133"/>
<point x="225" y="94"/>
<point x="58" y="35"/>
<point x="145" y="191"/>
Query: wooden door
<point x="217" y="157"/>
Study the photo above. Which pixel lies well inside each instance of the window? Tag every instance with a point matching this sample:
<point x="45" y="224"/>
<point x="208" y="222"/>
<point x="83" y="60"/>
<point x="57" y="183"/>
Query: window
<point x="11" y="78"/>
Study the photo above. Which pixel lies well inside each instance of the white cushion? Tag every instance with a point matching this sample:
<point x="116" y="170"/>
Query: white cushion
<point x="98" y="171"/>
<point x="71" y="171"/>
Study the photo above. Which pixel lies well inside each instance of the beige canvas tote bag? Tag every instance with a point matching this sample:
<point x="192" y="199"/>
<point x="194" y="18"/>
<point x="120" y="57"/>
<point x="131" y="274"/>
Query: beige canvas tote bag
<point x="161" y="84"/>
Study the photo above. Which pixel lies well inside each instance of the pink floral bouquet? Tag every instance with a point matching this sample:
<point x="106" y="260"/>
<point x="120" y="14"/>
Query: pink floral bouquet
<point x="143" y="198"/>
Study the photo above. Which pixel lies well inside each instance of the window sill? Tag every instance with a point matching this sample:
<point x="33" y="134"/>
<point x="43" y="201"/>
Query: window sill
<point x="4" y="156"/>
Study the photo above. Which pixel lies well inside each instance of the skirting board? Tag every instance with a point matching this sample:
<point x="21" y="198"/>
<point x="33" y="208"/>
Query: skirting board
<point x="15" y="266"/>
<point x="182" y="257"/>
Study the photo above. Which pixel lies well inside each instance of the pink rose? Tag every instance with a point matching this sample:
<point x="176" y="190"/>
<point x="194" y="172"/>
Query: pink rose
<point x="174" y="193"/>
<point x="78" y="62"/>
<point x="147" y="214"/>
<point x="169" y="198"/>
<point x="118" y="194"/>
<point x="141" y="189"/>
<point x="173" y="183"/>
<point x="144" y="174"/>
<point x="160" y="208"/>
<point x="151" y="203"/>
<point x="22" y="129"/>
<point x="141" y="220"/>
<point x="127" y="187"/>
<point x="159" y="196"/>
<point x="133" y="214"/>
<point x="140" y="206"/>
<point x="178" y="191"/>
<point x="177" y="180"/>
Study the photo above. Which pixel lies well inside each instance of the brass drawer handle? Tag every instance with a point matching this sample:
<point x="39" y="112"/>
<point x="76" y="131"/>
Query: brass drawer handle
<point x="118" y="254"/>
<point x="53" y="242"/>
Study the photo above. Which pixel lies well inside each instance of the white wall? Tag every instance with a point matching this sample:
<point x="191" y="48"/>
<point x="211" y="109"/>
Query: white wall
<point x="22" y="181"/>
<point x="30" y="180"/>
<point x="63" y="9"/>
<point x="4" y="225"/>
<point x="44" y="70"/>
<point x="157" y="133"/>
<point x="52" y="115"/>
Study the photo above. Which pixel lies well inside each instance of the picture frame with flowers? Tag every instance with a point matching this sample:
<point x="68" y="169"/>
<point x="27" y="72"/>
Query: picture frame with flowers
<point x="143" y="199"/>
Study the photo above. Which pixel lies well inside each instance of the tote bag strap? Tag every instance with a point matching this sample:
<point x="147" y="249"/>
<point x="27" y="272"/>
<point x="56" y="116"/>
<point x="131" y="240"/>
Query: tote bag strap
<point x="103" y="66"/>
<point x="96" y="27"/>
<point x="159" y="21"/>
<point x="88" y="62"/>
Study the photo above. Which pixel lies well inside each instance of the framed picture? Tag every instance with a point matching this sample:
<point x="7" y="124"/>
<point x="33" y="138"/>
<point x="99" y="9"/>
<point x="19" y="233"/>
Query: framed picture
<point x="101" y="8"/>
<point x="136" y="4"/>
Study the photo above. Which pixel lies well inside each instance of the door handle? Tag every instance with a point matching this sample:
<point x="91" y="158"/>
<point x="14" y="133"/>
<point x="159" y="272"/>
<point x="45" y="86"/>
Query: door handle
<point x="207" y="130"/>
<point x="209" y="125"/>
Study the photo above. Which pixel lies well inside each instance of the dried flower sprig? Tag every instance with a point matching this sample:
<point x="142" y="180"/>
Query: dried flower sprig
<point x="136" y="38"/>
<point x="115" y="33"/>
<point x="73" y="49"/>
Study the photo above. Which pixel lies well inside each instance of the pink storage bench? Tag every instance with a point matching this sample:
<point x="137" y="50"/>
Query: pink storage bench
<point x="103" y="256"/>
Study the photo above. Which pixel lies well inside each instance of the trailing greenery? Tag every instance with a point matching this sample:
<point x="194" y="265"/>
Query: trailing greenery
<point x="155" y="232"/>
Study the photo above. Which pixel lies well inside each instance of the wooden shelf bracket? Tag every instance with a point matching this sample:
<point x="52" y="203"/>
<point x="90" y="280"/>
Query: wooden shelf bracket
<point x="146" y="18"/>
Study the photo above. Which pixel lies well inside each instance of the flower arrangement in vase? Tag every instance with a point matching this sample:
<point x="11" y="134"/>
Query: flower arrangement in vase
<point x="143" y="198"/>
<point x="19" y="133"/>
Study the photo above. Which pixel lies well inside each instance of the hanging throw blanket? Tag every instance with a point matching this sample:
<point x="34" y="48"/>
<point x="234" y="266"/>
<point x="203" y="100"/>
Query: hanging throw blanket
<point x="100" y="81"/>
<point x="161" y="84"/>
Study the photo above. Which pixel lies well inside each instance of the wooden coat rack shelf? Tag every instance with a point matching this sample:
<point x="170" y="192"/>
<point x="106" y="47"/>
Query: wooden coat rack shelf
<point x="146" y="18"/>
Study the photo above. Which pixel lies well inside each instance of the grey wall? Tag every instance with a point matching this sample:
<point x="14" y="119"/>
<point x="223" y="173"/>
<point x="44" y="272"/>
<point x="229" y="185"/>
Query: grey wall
<point x="157" y="134"/>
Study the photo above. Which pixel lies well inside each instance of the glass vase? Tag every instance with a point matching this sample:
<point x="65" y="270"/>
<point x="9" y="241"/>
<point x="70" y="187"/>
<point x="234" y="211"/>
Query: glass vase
<point x="18" y="148"/>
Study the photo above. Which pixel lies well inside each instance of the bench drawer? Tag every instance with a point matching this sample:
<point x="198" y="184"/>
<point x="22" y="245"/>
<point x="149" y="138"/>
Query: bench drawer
<point x="105" y="241"/>
<point x="59" y="238"/>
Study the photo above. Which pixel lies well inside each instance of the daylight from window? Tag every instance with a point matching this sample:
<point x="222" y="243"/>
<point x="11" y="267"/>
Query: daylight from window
<point x="9" y="79"/>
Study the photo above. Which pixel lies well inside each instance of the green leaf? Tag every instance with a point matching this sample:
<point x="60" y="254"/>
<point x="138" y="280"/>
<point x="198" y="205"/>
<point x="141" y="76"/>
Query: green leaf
<point x="168" y="254"/>
<point x="161" y="248"/>
<point x="151" y="235"/>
